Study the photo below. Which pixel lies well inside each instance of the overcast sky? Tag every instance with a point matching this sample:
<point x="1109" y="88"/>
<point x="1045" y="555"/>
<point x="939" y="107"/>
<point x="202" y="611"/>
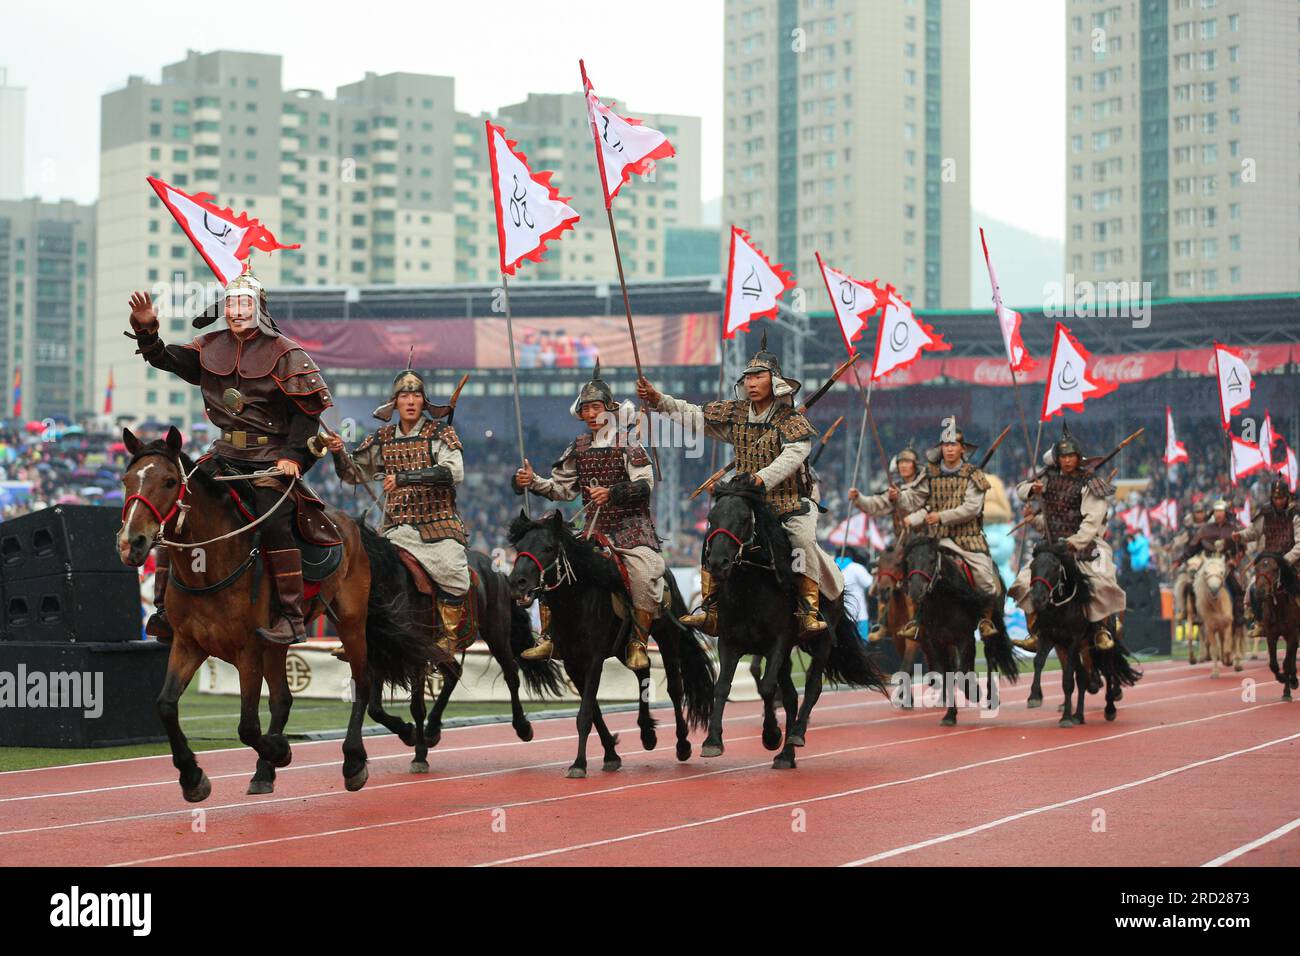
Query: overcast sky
<point x="665" y="56"/>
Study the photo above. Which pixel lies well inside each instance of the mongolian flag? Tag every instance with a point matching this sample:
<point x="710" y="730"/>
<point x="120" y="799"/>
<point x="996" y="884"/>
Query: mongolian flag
<point x="1009" y="320"/>
<point x="18" y="393"/>
<point x="623" y="145"/>
<point x="753" y="285"/>
<point x="1246" y="459"/>
<point x="223" y="238"/>
<point x="1174" y="450"/>
<point x="900" y="337"/>
<point x="1235" y="382"/>
<point x="852" y="299"/>
<point x="530" y="211"/>
<point x="108" y="393"/>
<point x="1068" y="382"/>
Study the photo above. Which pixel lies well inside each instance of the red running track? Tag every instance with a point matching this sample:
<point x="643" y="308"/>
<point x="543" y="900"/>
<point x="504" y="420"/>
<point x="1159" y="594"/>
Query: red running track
<point x="1193" y="772"/>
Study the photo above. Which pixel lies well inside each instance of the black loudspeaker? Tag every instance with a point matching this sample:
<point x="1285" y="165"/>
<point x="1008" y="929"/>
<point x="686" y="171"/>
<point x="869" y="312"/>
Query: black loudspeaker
<point x="59" y="540"/>
<point x="80" y="695"/>
<point x="1146" y="632"/>
<point x="85" y="607"/>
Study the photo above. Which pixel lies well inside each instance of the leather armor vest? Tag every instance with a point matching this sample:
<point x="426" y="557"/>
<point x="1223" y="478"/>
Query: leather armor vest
<point x="948" y="491"/>
<point x="758" y="444"/>
<point x="627" y="525"/>
<point x="1063" y="502"/>
<point x="430" y="509"/>
<point x="1279" y="531"/>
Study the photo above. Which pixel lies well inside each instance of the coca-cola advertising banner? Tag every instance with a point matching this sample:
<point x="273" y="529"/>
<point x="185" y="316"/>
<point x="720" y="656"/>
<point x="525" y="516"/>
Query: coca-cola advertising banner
<point x="688" y="339"/>
<point x="1259" y="358"/>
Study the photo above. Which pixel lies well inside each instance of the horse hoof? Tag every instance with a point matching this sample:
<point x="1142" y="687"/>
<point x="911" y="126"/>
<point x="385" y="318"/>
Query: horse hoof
<point x="948" y="722"/>
<point x="200" y="791"/>
<point x="795" y="740"/>
<point x="1286" y="694"/>
<point x="1060" y="709"/>
<point x="577" y="773"/>
<point x="257" y="788"/>
<point x="285" y="757"/>
<point x="783" y="763"/>
<point x="1119" y="694"/>
<point x="1077" y="720"/>
<point x="357" y="780"/>
<point x="772" y="739"/>
<point x="609" y="766"/>
<point x="524" y="732"/>
<point x="683" y="750"/>
<point x="1110" y="713"/>
<point x="419" y="766"/>
<point x="1065" y="722"/>
<point x="1237" y="667"/>
<point x="1034" y="703"/>
<point x="649" y="740"/>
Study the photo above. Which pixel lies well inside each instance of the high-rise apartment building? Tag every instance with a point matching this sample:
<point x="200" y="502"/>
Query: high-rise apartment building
<point x="847" y="132"/>
<point x="1182" y="146"/>
<point x="13" y="138"/>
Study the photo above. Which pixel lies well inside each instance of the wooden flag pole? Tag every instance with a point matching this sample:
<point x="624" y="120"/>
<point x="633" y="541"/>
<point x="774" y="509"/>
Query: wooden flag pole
<point x="618" y="258"/>
<point x="857" y="461"/>
<point x="514" y="379"/>
<point x="722" y="369"/>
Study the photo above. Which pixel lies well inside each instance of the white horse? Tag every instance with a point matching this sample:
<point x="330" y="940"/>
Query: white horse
<point x="1214" y="608"/>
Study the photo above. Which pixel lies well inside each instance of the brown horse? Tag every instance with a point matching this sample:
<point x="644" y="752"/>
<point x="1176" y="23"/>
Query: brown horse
<point x="1276" y="589"/>
<point x="218" y="596"/>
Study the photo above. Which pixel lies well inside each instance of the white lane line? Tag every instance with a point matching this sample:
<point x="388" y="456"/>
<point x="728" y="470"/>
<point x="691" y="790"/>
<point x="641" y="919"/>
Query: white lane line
<point x="171" y="782"/>
<point x="636" y="786"/>
<point x="1154" y="666"/>
<point x="1254" y="844"/>
<point x="857" y="791"/>
<point x="969" y="831"/>
<point x="254" y="804"/>
<point x="534" y="802"/>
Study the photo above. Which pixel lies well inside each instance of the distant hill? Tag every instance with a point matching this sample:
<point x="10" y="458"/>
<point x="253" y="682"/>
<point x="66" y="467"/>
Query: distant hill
<point x="1025" y="262"/>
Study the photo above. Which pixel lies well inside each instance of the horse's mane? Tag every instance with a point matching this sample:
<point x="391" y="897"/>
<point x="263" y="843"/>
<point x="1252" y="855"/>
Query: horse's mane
<point x="767" y="528"/>
<point x="963" y="587"/>
<point x="1073" y="573"/>
<point x="589" y="562"/>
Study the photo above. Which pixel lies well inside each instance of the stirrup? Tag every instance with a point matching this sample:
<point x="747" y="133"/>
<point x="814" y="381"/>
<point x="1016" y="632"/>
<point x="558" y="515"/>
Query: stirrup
<point x="636" y="657"/>
<point x="543" y="650"/>
<point x="1102" y="639"/>
<point x="1029" y="643"/>
<point x="987" y="628"/>
<point x="877" y="633"/>
<point x="909" y="630"/>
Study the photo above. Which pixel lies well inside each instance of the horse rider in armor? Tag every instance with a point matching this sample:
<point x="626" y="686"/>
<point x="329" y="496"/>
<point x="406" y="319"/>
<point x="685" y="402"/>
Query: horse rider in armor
<point x="613" y="475"/>
<point x="1277" y="529"/>
<point x="772" y="441"/>
<point x="1075" y="504"/>
<point x="907" y="465"/>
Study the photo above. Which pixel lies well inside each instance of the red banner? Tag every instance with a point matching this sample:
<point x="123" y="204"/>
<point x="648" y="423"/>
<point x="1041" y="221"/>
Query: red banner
<point x="918" y="373"/>
<point x="1135" y="366"/>
<point x="1259" y="358"/>
<point x="370" y="343"/>
<point x="989" y="371"/>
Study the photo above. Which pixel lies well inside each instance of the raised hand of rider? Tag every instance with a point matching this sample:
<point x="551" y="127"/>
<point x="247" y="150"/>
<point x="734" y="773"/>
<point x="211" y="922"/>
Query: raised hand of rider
<point x="144" y="314"/>
<point x="524" y="476"/>
<point x="893" y="493"/>
<point x="854" y="494"/>
<point x="334" y="443"/>
<point x="647" y="392"/>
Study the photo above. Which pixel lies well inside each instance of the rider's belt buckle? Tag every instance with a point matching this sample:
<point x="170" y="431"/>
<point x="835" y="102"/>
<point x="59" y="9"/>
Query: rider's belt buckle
<point x="243" y="439"/>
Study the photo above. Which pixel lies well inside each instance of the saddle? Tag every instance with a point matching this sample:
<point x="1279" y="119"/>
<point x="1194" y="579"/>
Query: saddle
<point x="622" y="603"/>
<point x="315" y="534"/>
<point x="425" y="585"/>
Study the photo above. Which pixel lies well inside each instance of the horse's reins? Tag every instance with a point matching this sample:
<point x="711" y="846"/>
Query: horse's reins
<point x="564" y="570"/>
<point x="1053" y="588"/>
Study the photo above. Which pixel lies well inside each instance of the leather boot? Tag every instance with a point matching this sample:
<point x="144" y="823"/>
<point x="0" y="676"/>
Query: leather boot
<point x="636" y="657"/>
<point x="1030" y="643"/>
<point x="810" y="598"/>
<point x="450" y="610"/>
<point x="158" y="626"/>
<point x="286" y="570"/>
<point x="543" y="649"/>
<point x="706" y="618"/>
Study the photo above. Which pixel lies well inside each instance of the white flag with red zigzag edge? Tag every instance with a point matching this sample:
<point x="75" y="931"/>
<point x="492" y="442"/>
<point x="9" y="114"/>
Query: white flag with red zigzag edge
<point x="1166" y="514"/>
<point x="1174" y="449"/>
<point x="1136" y="519"/>
<point x="1235" y="382"/>
<point x="753" y="285"/>
<point x="222" y="237"/>
<point x="852" y="299"/>
<point x="1009" y="320"/>
<point x="625" y="145"/>
<point x="862" y="532"/>
<point x="1068" y="382"/>
<point x="900" y="336"/>
<point x="1287" y="466"/>
<point x="1246" y="459"/>
<point x="1244" y="514"/>
<point x="530" y="211"/>
<point x="1266" y="440"/>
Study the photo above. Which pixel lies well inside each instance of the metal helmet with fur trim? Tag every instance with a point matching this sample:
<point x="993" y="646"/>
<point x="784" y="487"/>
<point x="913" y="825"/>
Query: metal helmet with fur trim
<point x="907" y="454"/>
<point x="244" y="285"/>
<point x="765" y="361"/>
<point x="597" y="390"/>
<point x="949" y="432"/>
<point x="409" y="380"/>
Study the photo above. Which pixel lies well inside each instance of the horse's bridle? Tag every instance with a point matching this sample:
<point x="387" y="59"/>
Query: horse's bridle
<point x="179" y="506"/>
<point x="1053" y="588"/>
<point x="563" y="571"/>
<point x="742" y="547"/>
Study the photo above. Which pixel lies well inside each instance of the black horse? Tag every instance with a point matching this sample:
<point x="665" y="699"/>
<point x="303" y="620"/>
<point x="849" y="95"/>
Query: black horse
<point x="583" y="586"/>
<point x="1059" y="595"/>
<point x="948" y="609"/>
<point x="1275" y="594"/>
<point x="502" y="624"/>
<point x="749" y="556"/>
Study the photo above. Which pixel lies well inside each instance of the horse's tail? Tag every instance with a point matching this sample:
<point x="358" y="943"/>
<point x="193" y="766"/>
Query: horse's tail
<point x="1122" y="666"/>
<point x="698" y="672"/>
<point x="999" y="656"/>
<point x="399" y="646"/>
<point x="542" y="678"/>
<point x="849" y="662"/>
